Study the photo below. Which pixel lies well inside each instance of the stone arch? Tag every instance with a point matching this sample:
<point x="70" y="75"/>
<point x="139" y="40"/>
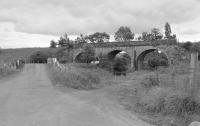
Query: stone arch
<point x="141" y="56"/>
<point x="77" y="58"/>
<point x="119" y="60"/>
<point x="39" y="57"/>
<point x="111" y="55"/>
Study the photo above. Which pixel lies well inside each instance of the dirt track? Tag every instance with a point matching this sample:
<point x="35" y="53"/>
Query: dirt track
<point x="29" y="99"/>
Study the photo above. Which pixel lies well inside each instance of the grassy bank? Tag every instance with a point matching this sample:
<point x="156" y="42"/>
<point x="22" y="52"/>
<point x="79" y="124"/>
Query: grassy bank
<point x="80" y="76"/>
<point x="7" y="72"/>
<point x="162" y="97"/>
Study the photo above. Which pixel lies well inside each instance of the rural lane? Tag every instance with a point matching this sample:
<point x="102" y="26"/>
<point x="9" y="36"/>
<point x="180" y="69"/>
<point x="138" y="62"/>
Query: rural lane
<point x="29" y="99"/>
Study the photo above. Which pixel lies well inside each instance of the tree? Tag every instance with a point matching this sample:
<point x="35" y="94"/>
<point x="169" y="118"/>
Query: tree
<point x="145" y="36"/>
<point x="187" y="45"/>
<point x="168" y="32"/>
<point x="40" y="56"/>
<point x="80" y="39"/>
<point x="99" y="37"/>
<point x="61" y="42"/>
<point x="63" y="56"/>
<point x="68" y="43"/>
<point x="53" y="44"/>
<point x="156" y="34"/>
<point x="88" y="53"/>
<point x="139" y="38"/>
<point x="124" y="34"/>
<point x="64" y="41"/>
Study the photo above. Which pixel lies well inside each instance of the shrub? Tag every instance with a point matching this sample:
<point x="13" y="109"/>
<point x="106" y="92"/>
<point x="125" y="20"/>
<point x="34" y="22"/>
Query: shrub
<point x="88" y="53"/>
<point x="106" y="64"/>
<point x="121" y="64"/>
<point x="40" y="56"/>
<point x="63" y="55"/>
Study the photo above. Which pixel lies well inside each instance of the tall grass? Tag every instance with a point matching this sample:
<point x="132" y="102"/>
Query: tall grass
<point x="6" y="71"/>
<point x="165" y="96"/>
<point x="80" y="76"/>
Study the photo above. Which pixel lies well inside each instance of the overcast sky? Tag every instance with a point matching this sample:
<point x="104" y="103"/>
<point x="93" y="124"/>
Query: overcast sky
<point x="33" y="23"/>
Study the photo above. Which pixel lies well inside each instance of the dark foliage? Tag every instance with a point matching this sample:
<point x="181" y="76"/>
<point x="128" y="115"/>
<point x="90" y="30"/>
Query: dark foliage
<point x="88" y="53"/>
<point x="98" y="37"/>
<point x="53" y="44"/>
<point x="124" y="34"/>
<point x="39" y="57"/>
<point x="63" y="55"/>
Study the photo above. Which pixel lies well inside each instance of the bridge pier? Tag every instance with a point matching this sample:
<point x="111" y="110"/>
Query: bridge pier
<point x="132" y="64"/>
<point x="134" y="61"/>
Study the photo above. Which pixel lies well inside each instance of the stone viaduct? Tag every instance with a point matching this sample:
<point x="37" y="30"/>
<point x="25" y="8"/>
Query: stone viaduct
<point x="137" y="50"/>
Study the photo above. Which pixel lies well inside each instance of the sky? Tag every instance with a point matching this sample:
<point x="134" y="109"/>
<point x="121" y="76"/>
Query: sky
<point x="33" y="23"/>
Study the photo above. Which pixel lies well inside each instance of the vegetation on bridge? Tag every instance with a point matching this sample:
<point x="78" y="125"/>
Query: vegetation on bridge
<point x="123" y="34"/>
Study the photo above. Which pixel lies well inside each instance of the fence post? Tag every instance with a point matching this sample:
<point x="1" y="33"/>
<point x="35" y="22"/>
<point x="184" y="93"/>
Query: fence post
<point x="193" y="87"/>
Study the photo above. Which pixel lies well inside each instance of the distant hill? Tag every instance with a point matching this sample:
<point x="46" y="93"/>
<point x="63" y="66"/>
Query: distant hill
<point x="8" y="55"/>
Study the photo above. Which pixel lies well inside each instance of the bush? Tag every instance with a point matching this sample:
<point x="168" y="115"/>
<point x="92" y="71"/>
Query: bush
<point x="118" y="66"/>
<point x="88" y="53"/>
<point x="63" y="55"/>
<point x="40" y="57"/>
<point x="106" y="64"/>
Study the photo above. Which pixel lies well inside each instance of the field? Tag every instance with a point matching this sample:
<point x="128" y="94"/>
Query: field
<point x="8" y="55"/>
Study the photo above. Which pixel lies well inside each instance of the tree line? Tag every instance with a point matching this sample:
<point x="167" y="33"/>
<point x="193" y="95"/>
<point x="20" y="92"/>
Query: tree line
<point x="123" y="34"/>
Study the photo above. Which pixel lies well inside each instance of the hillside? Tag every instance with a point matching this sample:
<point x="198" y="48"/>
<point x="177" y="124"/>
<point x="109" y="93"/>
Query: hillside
<point x="8" y="55"/>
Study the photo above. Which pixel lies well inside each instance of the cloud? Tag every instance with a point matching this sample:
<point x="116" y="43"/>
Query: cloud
<point x="191" y="32"/>
<point x="85" y="16"/>
<point x="25" y="23"/>
<point x="20" y="40"/>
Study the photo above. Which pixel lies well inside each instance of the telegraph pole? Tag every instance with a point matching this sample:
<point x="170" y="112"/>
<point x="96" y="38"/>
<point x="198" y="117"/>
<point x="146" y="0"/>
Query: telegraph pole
<point x="193" y="85"/>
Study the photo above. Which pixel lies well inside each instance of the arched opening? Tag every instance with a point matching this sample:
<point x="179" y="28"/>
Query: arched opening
<point x="111" y="55"/>
<point x="120" y="62"/>
<point x="39" y="57"/>
<point x="151" y="59"/>
<point x="78" y="58"/>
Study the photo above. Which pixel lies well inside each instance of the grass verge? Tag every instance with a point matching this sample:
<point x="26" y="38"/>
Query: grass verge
<point x="162" y="97"/>
<point x="4" y="73"/>
<point x="80" y="76"/>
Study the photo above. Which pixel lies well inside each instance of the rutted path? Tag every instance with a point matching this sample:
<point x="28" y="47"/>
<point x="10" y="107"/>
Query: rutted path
<point x="29" y="99"/>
